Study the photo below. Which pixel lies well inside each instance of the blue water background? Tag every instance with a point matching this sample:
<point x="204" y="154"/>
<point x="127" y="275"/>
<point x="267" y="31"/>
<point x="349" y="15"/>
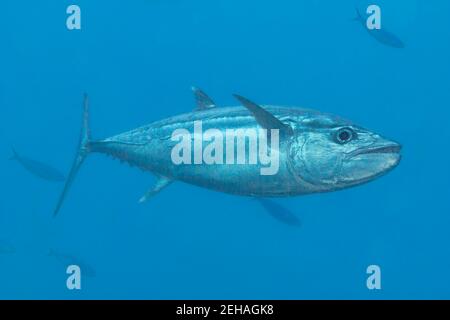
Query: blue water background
<point x="138" y="60"/>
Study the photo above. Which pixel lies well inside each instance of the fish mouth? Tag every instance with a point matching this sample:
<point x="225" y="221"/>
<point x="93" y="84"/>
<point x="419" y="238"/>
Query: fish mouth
<point x="373" y="161"/>
<point x="393" y="148"/>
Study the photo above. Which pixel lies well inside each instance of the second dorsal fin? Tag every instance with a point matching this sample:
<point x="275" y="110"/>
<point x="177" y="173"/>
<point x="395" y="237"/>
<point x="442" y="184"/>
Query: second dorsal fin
<point x="202" y="100"/>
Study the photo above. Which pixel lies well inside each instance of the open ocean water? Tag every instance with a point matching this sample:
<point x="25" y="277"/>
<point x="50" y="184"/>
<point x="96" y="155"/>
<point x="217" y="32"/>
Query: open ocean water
<point x="138" y="60"/>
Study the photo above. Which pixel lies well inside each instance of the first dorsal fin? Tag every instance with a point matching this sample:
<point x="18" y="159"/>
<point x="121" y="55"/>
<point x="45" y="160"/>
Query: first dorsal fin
<point x="264" y="118"/>
<point x="202" y="100"/>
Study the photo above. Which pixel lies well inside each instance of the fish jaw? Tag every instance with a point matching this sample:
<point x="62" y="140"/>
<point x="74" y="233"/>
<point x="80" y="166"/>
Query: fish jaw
<point x="376" y="160"/>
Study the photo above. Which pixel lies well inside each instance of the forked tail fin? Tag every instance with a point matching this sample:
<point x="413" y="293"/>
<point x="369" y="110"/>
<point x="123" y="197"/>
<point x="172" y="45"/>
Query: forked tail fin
<point x="358" y="16"/>
<point x="82" y="152"/>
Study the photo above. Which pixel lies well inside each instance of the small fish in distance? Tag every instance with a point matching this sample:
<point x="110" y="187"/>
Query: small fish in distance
<point x="37" y="168"/>
<point x="381" y="35"/>
<point x="67" y="259"/>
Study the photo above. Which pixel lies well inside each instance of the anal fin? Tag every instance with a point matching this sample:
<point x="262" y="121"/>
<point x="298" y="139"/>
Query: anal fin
<point x="160" y="184"/>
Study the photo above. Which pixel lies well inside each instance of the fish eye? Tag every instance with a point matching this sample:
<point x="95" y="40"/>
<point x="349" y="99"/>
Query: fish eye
<point x="344" y="135"/>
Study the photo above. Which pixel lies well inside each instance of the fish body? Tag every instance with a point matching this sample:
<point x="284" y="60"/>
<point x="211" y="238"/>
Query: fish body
<point x="38" y="168"/>
<point x="381" y="35"/>
<point x="317" y="152"/>
<point x="387" y="38"/>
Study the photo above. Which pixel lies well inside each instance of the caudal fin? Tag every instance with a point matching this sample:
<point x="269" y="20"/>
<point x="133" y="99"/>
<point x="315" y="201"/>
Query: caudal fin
<point x="358" y="16"/>
<point x="82" y="152"/>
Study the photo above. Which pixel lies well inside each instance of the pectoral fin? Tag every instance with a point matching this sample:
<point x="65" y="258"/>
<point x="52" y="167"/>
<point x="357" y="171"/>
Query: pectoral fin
<point x="202" y="100"/>
<point x="264" y="118"/>
<point x="160" y="184"/>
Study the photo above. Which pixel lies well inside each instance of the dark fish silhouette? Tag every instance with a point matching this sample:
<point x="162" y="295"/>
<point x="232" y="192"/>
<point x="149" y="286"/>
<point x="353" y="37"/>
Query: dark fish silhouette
<point x="381" y="35"/>
<point x="279" y="212"/>
<point x="37" y="168"/>
<point x="66" y="260"/>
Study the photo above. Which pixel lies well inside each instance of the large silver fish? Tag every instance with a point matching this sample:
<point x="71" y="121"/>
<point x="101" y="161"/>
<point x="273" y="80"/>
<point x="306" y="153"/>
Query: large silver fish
<point x="318" y="152"/>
